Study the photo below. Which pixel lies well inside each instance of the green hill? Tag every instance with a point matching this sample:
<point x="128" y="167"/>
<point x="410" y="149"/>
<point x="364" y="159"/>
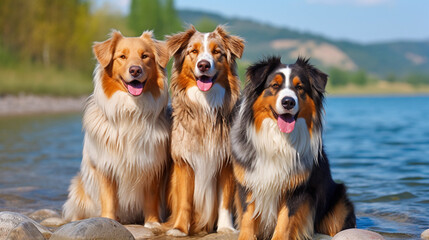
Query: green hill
<point x="382" y="59"/>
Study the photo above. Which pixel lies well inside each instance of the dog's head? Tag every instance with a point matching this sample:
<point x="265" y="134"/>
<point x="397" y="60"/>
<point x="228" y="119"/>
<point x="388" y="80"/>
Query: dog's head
<point x="286" y="92"/>
<point x="205" y="57"/>
<point x="132" y="64"/>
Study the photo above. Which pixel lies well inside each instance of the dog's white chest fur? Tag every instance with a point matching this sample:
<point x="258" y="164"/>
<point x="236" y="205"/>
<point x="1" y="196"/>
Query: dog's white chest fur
<point x="209" y="100"/>
<point x="278" y="157"/>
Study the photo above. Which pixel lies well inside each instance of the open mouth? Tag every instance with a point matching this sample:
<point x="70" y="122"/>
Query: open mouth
<point x="204" y="82"/>
<point x="285" y="122"/>
<point x="134" y="87"/>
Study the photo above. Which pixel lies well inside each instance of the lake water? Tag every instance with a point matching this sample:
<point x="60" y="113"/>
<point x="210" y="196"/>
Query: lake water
<point x="378" y="146"/>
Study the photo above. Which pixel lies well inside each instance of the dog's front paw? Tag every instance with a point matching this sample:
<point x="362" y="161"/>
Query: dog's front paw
<point x="155" y="227"/>
<point x="152" y="225"/>
<point x="176" y="233"/>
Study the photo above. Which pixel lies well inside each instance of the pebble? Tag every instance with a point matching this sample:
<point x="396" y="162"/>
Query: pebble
<point x="10" y="220"/>
<point x="43" y="214"/>
<point x="25" y="230"/>
<point x="93" y="228"/>
<point x="53" y="222"/>
<point x="357" y="234"/>
<point x="139" y="232"/>
<point x="425" y="234"/>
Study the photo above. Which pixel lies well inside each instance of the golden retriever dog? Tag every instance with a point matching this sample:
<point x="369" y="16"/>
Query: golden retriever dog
<point x="127" y="129"/>
<point x="204" y="88"/>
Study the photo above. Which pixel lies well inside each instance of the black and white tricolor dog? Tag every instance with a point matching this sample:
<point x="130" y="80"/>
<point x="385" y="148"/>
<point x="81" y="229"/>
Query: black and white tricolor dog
<point x="285" y="187"/>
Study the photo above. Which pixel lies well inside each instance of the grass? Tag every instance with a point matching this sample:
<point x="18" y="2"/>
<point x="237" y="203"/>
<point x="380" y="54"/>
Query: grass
<point x="39" y="80"/>
<point x="379" y="88"/>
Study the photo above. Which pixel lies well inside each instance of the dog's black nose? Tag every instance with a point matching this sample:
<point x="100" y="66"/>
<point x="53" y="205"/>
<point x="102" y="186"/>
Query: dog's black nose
<point x="288" y="103"/>
<point x="203" y="65"/>
<point x="135" y="71"/>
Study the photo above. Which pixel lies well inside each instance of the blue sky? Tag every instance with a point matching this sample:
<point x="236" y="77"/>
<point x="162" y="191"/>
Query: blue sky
<point x="364" y="21"/>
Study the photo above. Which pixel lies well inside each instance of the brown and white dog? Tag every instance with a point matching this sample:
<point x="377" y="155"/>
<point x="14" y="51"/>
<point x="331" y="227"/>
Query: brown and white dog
<point x="127" y="130"/>
<point x="204" y="88"/>
<point x="285" y="187"/>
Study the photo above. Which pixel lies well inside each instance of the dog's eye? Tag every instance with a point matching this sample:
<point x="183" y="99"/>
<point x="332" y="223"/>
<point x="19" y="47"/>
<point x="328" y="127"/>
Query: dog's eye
<point x="144" y="56"/>
<point x="216" y="51"/>
<point x="123" y="56"/>
<point x="194" y="51"/>
<point x="275" y="86"/>
<point x="299" y="87"/>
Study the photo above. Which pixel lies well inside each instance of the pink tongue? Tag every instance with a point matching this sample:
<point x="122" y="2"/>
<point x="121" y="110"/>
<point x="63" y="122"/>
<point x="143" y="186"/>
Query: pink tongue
<point x="286" y="123"/>
<point x="204" y="83"/>
<point x="135" y="88"/>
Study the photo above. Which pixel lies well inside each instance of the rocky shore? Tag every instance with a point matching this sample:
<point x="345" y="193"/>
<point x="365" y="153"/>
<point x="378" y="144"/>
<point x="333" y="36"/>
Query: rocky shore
<point x="30" y="104"/>
<point x="47" y="224"/>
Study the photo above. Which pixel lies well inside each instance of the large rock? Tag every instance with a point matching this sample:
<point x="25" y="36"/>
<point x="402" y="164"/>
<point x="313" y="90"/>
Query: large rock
<point x="43" y="214"/>
<point x="140" y="232"/>
<point x="357" y="234"/>
<point x="25" y="231"/>
<point x="10" y="220"/>
<point x="425" y="234"/>
<point x="93" y="228"/>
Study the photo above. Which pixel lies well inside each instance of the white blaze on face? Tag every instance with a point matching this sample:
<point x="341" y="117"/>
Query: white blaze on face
<point x="207" y="56"/>
<point x="286" y="117"/>
<point x="286" y="92"/>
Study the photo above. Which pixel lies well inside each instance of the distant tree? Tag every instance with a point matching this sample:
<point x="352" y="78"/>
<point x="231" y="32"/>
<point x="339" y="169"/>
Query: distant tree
<point x="359" y="78"/>
<point x="157" y="15"/>
<point x="417" y="79"/>
<point x="391" y="77"/>
<point x="171" y="20"/>
<point x="206" y="24"/>
<point x="338" y="77"/>
<point x="46" y="31"/>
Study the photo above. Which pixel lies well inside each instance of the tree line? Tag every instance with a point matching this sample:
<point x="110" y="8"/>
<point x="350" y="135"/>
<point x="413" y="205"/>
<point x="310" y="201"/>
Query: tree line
<point x="339" y="78"/>
<point x="60" y="33"/>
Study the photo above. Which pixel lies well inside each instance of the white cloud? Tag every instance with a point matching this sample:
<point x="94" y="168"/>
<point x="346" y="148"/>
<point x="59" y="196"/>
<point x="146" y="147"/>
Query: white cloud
<point x="352" y="2"/>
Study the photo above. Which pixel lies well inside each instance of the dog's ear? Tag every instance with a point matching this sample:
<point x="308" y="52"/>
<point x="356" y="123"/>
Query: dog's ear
<point x="177" y="42"/>
<point x="103" y="51"/>
<point x="234" y="44"/>
<point x="317" y="78"/>
<point x="161" y="52"/>
<point x="257" y="74"/>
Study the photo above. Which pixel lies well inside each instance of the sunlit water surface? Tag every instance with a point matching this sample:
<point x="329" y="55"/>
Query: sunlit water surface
<point x="378" y="146"/>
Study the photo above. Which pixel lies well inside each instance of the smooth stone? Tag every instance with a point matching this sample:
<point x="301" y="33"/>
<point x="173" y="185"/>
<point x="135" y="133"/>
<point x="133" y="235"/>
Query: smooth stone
<point x="43" y="214"/>
<point x="319" y="236"/>
<point x="425" y="234"/>
<point x="24" y="231"/>
<point x="9" y="220"/>
<point x="357" y="234"/>
<point x="53" y="222"/>
<point x="93" y="228"/>
<point x="140" y="232"/>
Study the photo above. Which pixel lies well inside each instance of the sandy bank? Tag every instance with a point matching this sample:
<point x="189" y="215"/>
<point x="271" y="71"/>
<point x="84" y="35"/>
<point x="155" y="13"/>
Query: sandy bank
<point x="30" y="104"/>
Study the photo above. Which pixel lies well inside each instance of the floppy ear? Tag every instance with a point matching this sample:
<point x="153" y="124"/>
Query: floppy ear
<point x="318" y="78"/>
<point x="179" y="41"/>
<point x="103" y="51"/>
<point x="235" y="44"/>
<point x="258" y="73"/>
<point x="161" y="52"/>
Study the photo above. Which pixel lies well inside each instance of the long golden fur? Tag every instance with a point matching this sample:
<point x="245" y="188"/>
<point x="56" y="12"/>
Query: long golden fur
<point x="126" y="128"/>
